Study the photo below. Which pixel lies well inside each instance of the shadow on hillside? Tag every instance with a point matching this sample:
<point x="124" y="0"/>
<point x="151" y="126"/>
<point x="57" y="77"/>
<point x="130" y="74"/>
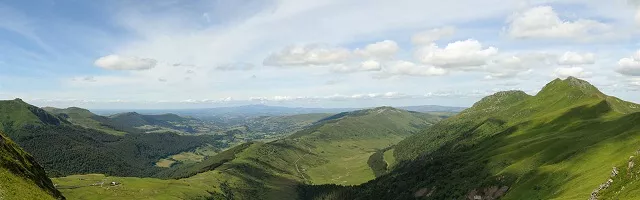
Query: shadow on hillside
<point x="258" y="183"/>
<point x="512" y="158"/>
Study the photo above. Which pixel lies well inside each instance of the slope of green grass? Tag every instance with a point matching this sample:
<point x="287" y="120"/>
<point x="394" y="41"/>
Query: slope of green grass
<point x="85" y="118"/>
<point x="15" y="114"/>
<point x="20" y="175"/>
<point x="138" y="123"/>
<point x="560" y="144"/>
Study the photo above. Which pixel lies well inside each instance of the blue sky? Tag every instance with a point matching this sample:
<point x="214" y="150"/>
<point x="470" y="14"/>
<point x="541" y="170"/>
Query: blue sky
<point x="334" y="53"/>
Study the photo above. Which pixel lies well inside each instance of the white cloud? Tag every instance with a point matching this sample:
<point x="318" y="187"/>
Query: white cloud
<point x="334" y="97"/>
<point x="630" y="66"/>
<point x="508" y="67"/>
<point x="380" y="50"/>
<point x="369" y="65"/>
<point x="577" y="72"/>
<point x="574" y="58"/>
<point x="116" y="62"/>
<point x="544" y="22"/>
<point x="460" y="54"/>
<point x="637" y="17"/>
<point x="412" y="69"/>
<point x="518" y="64"/>
<point x="301" y="55"/>
<point x="430" y="36"/>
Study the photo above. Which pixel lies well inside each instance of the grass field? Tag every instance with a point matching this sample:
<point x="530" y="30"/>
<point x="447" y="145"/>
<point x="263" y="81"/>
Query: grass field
<point x="188" y="157"/>
<point x="88" y="187"/>
<point x="13" y="187"/>
<point x="21" y="178"/>
<point x="388" y="157"/>
<point x="166" y="163"/>
<point x="347" y="161"/>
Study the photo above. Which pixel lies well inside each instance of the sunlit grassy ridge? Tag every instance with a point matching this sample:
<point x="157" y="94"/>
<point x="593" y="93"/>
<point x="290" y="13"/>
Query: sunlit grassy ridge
<point x="15" y="114"/>
<point x="85" y="118"/>
<point x="559" y="144"/>
<point x="20" y="176"/>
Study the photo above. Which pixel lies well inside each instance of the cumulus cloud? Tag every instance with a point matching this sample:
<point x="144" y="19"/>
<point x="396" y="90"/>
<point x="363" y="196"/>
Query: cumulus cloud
<point x="235" y="66"/>
<point x="517" y="64"/>
<point x="413" y="69"/>
<point x="508" y="67"/>
<point x="430" y="36"/>
<point x="630" y="66"/>
<point x="117" y="62"/>
<point x="544" y="22"/>
<point x="335" y="97"/>
<point x="578" y="72"/>
<point x="369" y="65"/>
<point x="460" y="54"/>
<point x="574" y="58"/>
<point x="380" y="50"/>
<point x="637" y="17"/>
<point x="312" y="54"/>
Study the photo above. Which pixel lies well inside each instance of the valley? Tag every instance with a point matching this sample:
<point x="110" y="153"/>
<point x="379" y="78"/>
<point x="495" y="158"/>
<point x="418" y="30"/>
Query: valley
<point x="561" y="143"/>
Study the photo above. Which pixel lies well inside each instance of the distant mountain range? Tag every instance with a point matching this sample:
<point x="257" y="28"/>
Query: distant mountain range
<point x="264" y="110"/>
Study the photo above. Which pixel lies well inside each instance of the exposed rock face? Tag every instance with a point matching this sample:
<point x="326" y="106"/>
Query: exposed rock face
<point x="630" y="164"/>
<point x="605" y="185"/>
<point x="489" y="193"/>
<point x="424" y="192"/>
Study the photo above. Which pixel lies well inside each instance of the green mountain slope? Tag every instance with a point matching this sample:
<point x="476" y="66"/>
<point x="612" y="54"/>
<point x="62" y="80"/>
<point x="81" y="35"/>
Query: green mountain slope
<point x="83" y="117"/>
<point x="120" y="124"/>
<point x="64" y="149"/>
<point x="135" y="122"/>
<point x="334" y="150"/>
<point x="20" y="175"/>
<point x="559" y="144"/>
<point x="16" y="114"/>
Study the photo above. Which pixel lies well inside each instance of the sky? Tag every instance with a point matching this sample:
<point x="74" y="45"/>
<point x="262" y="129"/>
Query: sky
<point x="167" y="54"/>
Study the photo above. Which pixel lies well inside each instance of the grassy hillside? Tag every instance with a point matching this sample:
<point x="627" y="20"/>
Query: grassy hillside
<point x="151" y="123"/>
<point x="15" y="114"/>
<point x="283" y="124"/>
<point x="335" y="150"/>
<point x="64" y="149"/>
<point x="20" y="175"/>
<point x="559" y="144"/>
<point x="85" y="118"/>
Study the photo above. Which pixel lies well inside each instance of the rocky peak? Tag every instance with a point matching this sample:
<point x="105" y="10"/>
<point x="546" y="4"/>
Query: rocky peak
<point x="570" y="85"/>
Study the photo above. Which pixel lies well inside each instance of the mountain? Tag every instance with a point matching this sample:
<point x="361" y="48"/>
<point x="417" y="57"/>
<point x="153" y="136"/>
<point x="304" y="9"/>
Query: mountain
<point x="85" y="118"/>
<point x="136" y="122"/>
<point x="337" y="149"/>
<point x="17" y="114"/>
<point x="561" y="143"/>
<point x="265" y="110"/>
<point x="21" y="177"/>
<point x="433" y="108"/>
<point x="122" y="123"/>
<point x="64" y="148"/>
